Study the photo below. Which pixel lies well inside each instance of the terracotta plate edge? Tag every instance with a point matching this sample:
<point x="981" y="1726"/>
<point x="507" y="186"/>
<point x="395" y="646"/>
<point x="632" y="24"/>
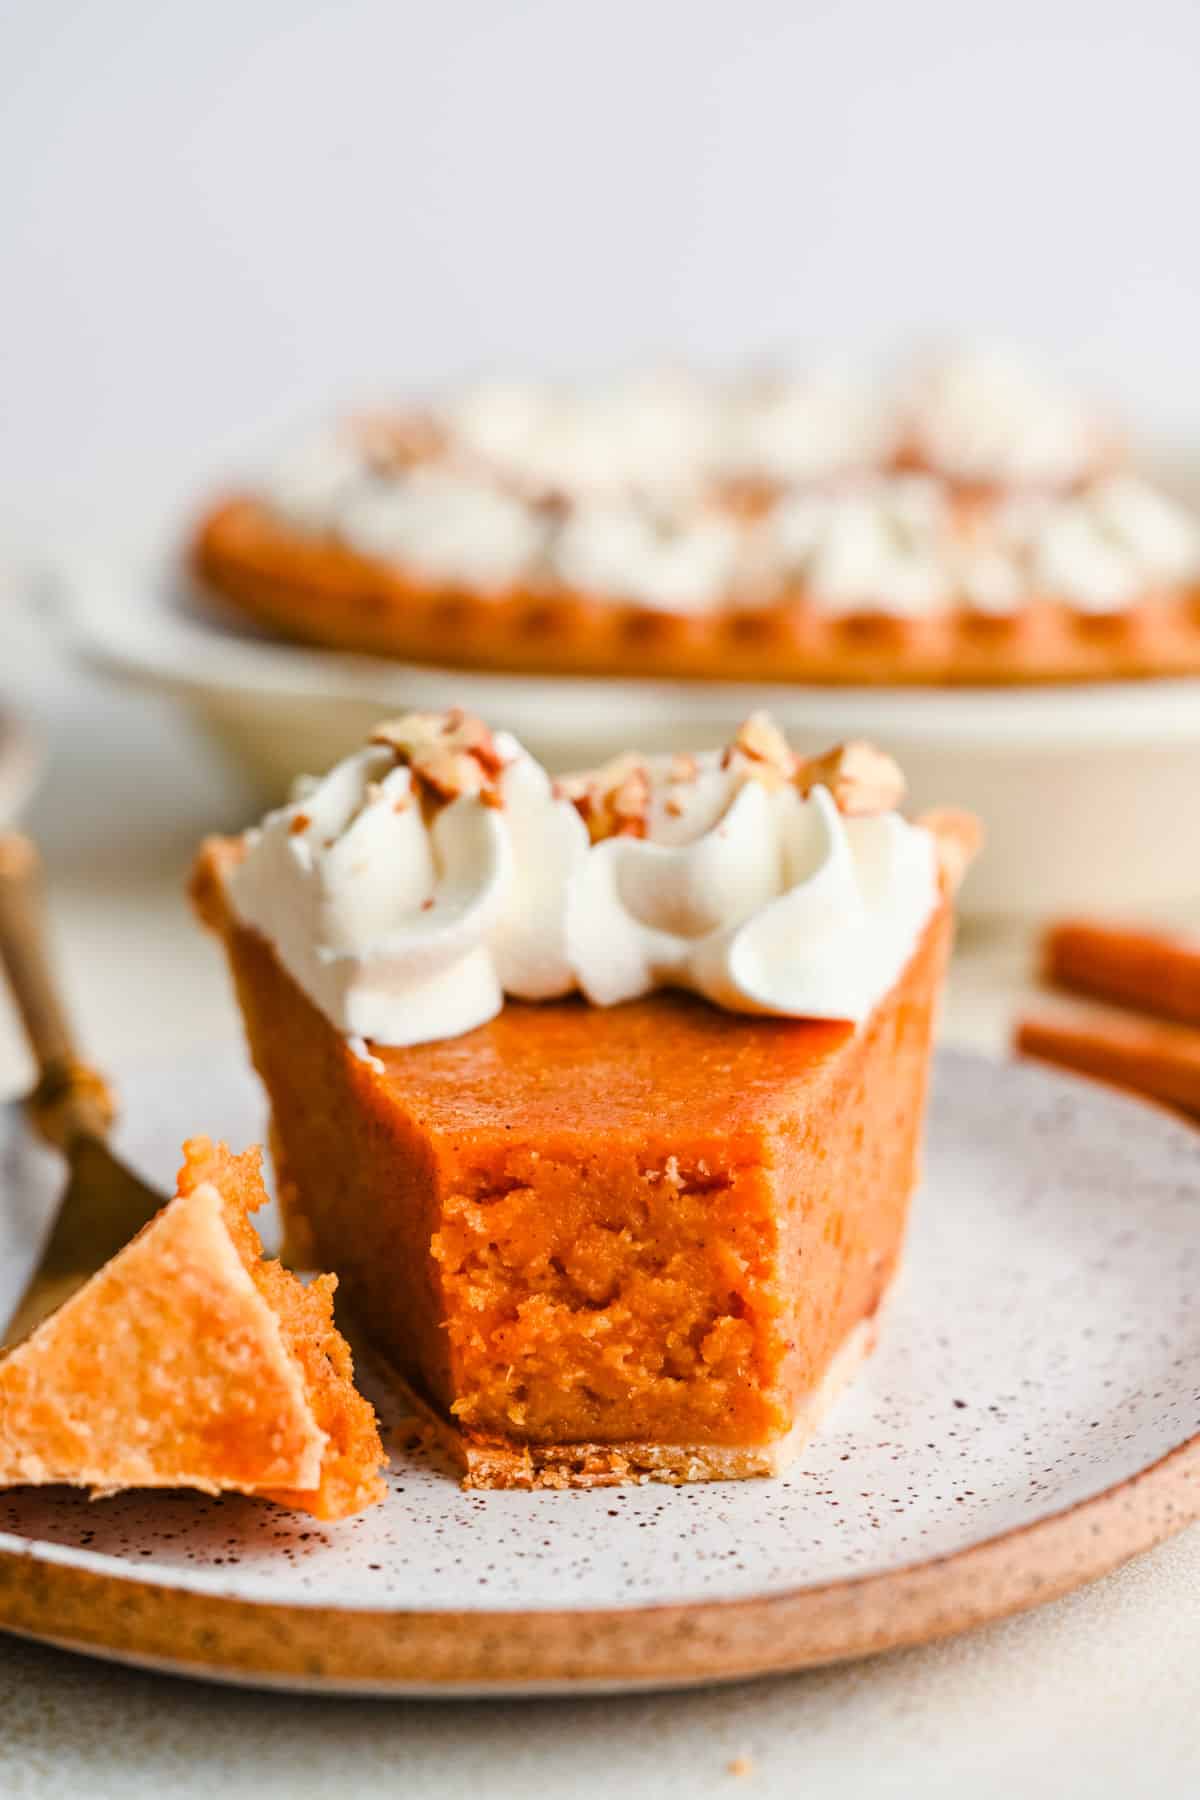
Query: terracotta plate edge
<point x="349" y="1650"/>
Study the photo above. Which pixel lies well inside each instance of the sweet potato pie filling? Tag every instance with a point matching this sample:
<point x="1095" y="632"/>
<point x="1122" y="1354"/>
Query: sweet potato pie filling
<point x="652" y="1223"/>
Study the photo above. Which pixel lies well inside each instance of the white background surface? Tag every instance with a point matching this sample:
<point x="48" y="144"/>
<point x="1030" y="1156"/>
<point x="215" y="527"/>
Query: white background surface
<point x="219" y="217"/>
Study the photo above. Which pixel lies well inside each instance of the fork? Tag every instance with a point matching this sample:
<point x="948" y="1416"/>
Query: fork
<point x="71" y="1107"/>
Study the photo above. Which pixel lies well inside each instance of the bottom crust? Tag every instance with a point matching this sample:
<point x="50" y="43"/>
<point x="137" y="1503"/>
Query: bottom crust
<point x="488" y="1462"/>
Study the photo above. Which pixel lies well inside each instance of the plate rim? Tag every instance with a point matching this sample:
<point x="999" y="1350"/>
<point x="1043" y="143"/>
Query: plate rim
<point x="55" y="1593"/>
<point x="381" y="1652"/>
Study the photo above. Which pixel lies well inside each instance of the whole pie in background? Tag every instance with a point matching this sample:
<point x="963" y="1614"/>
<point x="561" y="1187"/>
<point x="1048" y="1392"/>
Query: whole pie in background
<point x="967" y="520"/>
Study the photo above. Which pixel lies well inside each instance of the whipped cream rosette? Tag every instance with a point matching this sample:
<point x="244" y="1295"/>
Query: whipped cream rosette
<point x="439" y="870"/>
<point x="406" y="910"/>
<point x="744" y="879"/>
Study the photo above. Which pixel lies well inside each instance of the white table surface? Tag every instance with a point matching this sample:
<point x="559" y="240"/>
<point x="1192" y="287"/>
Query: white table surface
<point x="1096" y="1695"/>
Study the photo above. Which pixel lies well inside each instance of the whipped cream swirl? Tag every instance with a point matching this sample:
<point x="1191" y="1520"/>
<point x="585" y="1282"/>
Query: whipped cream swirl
<point x="760" y="898"/>
<point x="408" y="893"/>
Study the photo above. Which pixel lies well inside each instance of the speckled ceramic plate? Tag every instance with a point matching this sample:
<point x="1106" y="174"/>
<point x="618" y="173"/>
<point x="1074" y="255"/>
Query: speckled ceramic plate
<point x="1029" y="1421"/>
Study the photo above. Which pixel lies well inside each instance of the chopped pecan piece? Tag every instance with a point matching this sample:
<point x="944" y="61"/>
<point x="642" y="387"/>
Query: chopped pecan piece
<point x="450" y="754"/>
<point x="393" y="442"/>
<point x="612" y="801"/>
<point x="682" y="767"/>
<point x="761" y="751"/>
<point x="861" y="779"/>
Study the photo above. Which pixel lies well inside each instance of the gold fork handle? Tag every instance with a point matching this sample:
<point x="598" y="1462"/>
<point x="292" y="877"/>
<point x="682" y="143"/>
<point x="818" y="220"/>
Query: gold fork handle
<point x="70" y="1100"/>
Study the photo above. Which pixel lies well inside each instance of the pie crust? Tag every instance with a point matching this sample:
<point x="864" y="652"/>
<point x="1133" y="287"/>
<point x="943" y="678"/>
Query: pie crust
<point x="318" y="591"/>
<point x="219" y="1371"/>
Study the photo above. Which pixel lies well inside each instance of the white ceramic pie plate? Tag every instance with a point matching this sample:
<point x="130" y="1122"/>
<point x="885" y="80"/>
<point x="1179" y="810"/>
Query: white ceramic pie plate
<point x="1029" y="1421"/>
<point x="1082" y="790"/>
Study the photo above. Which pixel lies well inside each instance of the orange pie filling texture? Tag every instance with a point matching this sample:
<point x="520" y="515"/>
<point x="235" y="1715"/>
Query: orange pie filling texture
<point x="651" y="1224"/>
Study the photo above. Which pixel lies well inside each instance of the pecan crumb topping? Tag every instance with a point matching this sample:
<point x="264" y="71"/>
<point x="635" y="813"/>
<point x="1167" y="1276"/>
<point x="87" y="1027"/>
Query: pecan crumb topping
<point x="450" y="753"/>
<point x="861" y="779"/>
<point x="761" y="745"/>
<point x="392" y="442"/>
<point x="612" y="801"/>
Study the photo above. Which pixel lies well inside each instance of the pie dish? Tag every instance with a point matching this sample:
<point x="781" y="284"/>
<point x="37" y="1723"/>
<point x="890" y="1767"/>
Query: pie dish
<point x="190" y="1362"/>
<point x="969" y="523"/>
<point x="604" y="1099"/>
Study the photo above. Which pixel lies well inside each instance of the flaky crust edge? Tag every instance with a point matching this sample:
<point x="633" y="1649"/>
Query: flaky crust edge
<point x="318" y="591"/>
